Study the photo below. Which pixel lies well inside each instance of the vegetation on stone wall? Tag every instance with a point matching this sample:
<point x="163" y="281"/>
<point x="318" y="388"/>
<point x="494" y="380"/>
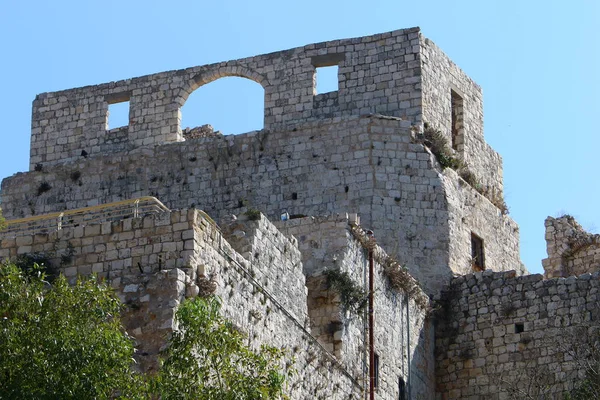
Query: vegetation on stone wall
<point x="207" y="358"/>
<point x="535" y="381"/>
<point x="67" y="341"/>
<point x="43" y="188"/>
<point x="398" y="276"/>
<point x="2" y="221"/>
<point x="437" y="143"/>
<point x="252" y="214"/>
<point x="353" y="298"/>
<point x="583" y="348"/>
<point x="48" y="262"/>
<point x="401" y="280"/>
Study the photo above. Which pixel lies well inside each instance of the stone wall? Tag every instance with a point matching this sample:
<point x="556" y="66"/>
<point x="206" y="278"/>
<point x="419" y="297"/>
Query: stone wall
<point x="403" y="331"/>
<point x="400" y="74"/>
<point x="500" y="336"/>
<point x="141" y="258"/>
<point x="156" y="261"/>
<point x="377" y="74"/>
<point x="571" y="250"/>
<point x="472" y="213"/>
<point x="440" y="76"/>
<point x="257" y="270"/>
<point x="263" y="292"/>
<point x="367" y="165"/>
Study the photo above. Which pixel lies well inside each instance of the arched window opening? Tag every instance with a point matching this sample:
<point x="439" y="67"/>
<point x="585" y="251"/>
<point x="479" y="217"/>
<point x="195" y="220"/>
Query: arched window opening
<point x="229" y="105"/>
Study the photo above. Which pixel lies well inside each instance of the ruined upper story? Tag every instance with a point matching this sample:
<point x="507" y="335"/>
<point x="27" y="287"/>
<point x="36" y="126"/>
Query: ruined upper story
<point x="400" y="74"/>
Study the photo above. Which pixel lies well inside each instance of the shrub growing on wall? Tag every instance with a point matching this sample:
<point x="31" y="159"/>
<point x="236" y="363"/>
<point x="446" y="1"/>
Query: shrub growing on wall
<point x="2" y="221"/>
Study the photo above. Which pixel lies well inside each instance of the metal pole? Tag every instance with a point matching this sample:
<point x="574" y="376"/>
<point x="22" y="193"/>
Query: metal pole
<point x="408" y="343"/>
<point x="371" y="321"/>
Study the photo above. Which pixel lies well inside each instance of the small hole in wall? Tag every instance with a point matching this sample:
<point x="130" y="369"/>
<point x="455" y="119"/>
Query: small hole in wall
<point x="118" y="115"/>
<point x="294" y="196"/>
<point x="519" y="328"/>
<point x="326" y="79"/>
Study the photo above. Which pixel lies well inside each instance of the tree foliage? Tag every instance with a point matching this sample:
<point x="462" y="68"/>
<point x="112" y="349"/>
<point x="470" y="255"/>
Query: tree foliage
<point x="207" y="359"/>
<point x="583" y="347"/>
<point x="62" y="341"/>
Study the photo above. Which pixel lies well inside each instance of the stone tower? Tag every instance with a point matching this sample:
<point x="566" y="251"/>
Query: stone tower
<point x="353" y="150"/>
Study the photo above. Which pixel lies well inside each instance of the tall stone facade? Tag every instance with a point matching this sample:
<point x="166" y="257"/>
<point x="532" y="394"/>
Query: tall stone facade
<point x="328" y="160"/>
<point x="356" y="152"/>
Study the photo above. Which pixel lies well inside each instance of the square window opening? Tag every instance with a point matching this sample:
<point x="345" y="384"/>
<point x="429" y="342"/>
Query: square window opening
<point x="118" y="115"/>
<point x="477" y="255"/>
<point x="519" y="328"/>
<point x="457" y="120"/>
<point x="326" y="79"/>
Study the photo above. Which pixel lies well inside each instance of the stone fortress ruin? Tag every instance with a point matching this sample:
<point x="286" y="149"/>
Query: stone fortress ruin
<point x="456" y="314"/>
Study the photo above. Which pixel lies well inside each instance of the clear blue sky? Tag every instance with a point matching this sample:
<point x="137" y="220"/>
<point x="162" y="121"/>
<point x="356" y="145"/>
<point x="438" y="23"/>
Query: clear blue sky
<point x="538" y="63"/>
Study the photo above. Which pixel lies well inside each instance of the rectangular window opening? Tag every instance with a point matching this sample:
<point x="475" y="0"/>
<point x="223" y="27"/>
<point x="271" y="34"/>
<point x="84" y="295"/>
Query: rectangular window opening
<point x="519" y="328"/>
<point x="326" y="79"/>
<point x="457" y="121"/>
<point x="477" y="256"/>
<point x="401" y="389"/>
<point x="118" y="110"/>
<point x="376" y="370"/>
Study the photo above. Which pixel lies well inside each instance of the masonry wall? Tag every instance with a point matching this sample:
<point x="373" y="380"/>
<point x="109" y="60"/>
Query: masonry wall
<point x="403" y="333"/>
<point x="499" y="336"/>
<point x="571" y="250"/>
<point x="366" y="165"/>
<point x="472" y="213"/>
<point x="156" y="261"/>
<point x="440" y="76"/>
<point x="377" y="74"/>
<point x="141" y="258"/>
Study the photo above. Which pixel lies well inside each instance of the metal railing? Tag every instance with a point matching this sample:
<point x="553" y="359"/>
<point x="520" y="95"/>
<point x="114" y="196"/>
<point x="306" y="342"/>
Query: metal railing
<point x="133" y="208"/>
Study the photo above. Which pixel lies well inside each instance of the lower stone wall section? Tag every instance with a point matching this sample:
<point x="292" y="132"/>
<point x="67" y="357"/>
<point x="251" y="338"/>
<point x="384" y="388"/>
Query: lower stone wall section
<point x="155" y="262"/>
<point x="499" y="336"/>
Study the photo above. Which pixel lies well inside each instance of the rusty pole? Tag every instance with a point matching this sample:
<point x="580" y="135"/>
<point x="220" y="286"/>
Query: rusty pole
<point x="371" y="320"/>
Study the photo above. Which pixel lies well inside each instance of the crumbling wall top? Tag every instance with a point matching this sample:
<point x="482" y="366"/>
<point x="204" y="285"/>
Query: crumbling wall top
<point x="571" y="250"/>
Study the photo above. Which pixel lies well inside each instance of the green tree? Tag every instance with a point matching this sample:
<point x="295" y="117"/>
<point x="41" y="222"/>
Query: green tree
<point x="62" y="341"/>
<point x="207" y="359"/>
